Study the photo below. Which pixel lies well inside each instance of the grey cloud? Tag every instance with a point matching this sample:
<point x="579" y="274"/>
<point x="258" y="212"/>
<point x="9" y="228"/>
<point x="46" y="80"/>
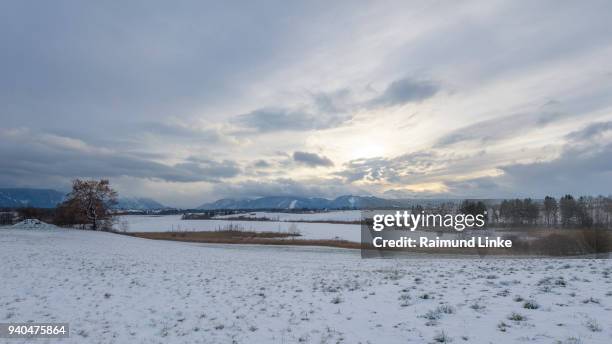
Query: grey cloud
<point x="35" y="156"/>
<point x="279" y="119"/>
<point x="262" y="164"/>
<point x="372" y="169"/>
<point x="312" y="159"/>
<point x="143" y="61"/>
<point x="404" y="91"/>
<point x="332" y="102"/>
<point x="286" y="187"/>
<point x="180" y="131"/>
<point x="483" y="187"/>
<point x="501" y="128"/>
<point x="494" y="45"/>
<point x="591" y="131"/>
<point x="211" y="170"/>
<point x="333" y="109"/>
<point x="404" y="168"/>
<point x="584" y="170"/>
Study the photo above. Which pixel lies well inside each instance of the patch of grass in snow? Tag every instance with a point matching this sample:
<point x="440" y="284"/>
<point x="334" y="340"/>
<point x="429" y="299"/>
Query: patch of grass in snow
<point x="426" y="296"/>
<point x="433" y="314"/>
<point x="442" y="337"/>
<point x="405" y="298"/>
<point x="502" y="326"/>
<point x="436" y="314"/>
<point x="477" y="306"/>
<point x="592" y="325"/>
<point x="446" y="309"/>
<point x="591" y="300"/>
<point x="516" y="317"/>
<point x="503" y="293"/>
<point x="394" y="275"/>
<point x="570" y="340"/>
<point x="531" y="304"/>
<point x="245" y="237"/>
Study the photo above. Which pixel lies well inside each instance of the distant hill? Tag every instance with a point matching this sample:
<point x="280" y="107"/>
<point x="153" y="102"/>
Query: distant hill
<point x="25" y="197"/>
<point x="362" y="202"/>
<point x="138" y="203"/>
<point x="342" y="202"/>
<point x="48" y="198"/>
<point x="289" y="202"/>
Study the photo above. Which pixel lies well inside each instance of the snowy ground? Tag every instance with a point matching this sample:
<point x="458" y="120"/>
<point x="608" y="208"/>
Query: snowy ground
<point x="118" y="289"/>
<point x="148" y="223"/>
<point x="343" y="215"/>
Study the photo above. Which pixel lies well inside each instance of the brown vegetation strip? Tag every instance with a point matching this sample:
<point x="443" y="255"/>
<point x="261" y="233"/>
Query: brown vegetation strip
<point x="244" y="237"/>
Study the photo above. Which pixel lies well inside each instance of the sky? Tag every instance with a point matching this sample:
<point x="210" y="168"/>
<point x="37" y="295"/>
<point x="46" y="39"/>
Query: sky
<point x="187" y="102"/>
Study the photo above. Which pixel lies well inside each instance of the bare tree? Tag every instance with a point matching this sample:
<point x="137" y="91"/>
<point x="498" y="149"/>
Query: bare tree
<point x="90" y="202"/>
<point x="607" y="208"/>
<point x="551" y="208"/>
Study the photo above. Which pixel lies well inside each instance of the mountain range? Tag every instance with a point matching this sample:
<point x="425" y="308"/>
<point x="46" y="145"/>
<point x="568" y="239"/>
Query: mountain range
<point x="24" y="197"/>
<point x="48" y="198"/>
<point x="296" y="202"/>
<point x="138" y="203"/>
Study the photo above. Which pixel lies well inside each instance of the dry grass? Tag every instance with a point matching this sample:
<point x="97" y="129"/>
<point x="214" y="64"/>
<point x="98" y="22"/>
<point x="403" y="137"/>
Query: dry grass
<point x="244" y="237"/>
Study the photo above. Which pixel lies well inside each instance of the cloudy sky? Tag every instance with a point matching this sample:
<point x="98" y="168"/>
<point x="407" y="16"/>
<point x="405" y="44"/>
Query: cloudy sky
<point x="191" y="101"/>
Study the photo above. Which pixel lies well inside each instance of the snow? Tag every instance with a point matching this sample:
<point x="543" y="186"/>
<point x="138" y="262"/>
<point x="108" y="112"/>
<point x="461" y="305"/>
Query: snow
<point x="33" y="224"/>
<point x="343" y="215"/>
<point x="118" y="289"/>
<point x="152" y="223"/>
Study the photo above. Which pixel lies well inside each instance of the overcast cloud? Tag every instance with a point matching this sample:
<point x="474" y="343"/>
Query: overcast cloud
<point x="194" y="101"/>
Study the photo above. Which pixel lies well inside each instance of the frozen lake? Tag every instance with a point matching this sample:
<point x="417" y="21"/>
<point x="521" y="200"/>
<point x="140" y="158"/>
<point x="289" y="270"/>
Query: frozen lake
<point x="167" y="223"/>
<point x="341" y="215"/>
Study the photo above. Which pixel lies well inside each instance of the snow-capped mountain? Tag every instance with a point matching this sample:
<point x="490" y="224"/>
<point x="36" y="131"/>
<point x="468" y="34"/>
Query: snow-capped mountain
<point x="289" y="202"/>
<point x="25" y="197"/>
<point x="272" y="202"/>
<point x="361" y="202"/>
<point x="49" y="198"/>
<point x="138" y="203"/>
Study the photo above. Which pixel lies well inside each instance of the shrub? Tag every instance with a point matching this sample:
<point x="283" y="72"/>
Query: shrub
<point x="477" y="306"/>
<point x="446" y="309"/>
<point x="531" y="305"/>
<point x="442" y="337"/>
<point x="592" y="325"/>
<point x="516" y="317"/>
<point x="432" y="315"/>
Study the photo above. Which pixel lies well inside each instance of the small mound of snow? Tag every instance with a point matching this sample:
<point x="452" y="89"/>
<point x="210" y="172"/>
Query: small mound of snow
<point x="33" y="224"/>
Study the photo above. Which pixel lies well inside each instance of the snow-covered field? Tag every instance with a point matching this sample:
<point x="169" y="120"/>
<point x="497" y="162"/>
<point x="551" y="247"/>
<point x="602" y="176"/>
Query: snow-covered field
<point x="148" y="223"/>
<point x="343" y="215"/>
<point x="119" y="289"/>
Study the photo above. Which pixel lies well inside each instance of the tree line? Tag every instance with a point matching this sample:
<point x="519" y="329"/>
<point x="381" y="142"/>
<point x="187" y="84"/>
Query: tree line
<point x="567" y="211"/>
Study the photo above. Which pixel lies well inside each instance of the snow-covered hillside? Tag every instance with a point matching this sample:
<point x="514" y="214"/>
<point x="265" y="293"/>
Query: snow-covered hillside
<point x="119" y="289"/>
